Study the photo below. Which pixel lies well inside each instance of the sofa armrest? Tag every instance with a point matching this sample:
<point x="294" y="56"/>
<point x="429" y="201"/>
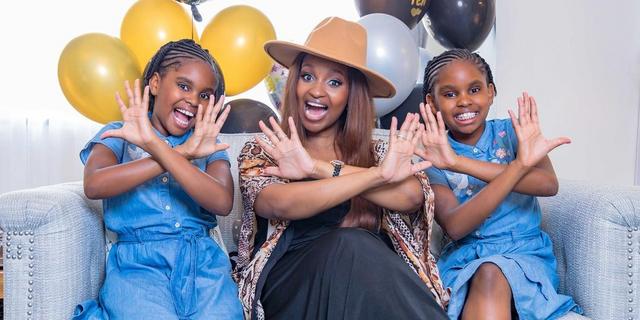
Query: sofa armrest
<point x="596" y="240"/>
<point x="54" y="247"/>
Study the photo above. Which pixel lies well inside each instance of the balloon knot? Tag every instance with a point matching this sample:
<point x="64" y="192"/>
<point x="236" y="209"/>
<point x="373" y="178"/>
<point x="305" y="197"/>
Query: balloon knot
<point x="196" y="14"/>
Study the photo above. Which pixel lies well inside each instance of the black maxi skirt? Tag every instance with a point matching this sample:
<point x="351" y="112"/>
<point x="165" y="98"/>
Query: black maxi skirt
<point x="325" y="272"/>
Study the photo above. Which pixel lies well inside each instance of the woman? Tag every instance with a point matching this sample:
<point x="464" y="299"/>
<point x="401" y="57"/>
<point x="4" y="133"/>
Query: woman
<point x="335" y="225"/>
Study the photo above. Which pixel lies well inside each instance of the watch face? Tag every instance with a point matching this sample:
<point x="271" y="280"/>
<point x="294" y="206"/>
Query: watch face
<point x="337" y="165"/>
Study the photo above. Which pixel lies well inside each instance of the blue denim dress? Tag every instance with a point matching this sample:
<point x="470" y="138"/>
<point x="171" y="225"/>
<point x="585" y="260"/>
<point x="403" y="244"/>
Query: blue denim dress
<point x="164" y="265"/>
<point x="510" y="237"/>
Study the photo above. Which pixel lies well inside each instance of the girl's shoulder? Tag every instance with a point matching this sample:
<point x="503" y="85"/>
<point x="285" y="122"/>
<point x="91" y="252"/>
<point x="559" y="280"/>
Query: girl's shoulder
<point x="112" y="125"/>
<point x="116" y="145"/>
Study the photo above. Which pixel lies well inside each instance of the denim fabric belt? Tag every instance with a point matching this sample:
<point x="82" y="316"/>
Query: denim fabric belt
<point x="183" y="276"/>
<point x="500" y="237"/>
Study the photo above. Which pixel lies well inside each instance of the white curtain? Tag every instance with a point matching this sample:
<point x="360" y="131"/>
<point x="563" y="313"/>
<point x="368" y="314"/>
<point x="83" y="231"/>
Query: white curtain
<point x="38" y="151"/>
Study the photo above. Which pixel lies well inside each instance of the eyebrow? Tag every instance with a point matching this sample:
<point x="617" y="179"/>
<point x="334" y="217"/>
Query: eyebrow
<point x="446" y="87"/>
<point x="334" y="70"/>
<point x="452" y="87"/>
<point x="340" y="72"/>
<point x="187" y="80"/>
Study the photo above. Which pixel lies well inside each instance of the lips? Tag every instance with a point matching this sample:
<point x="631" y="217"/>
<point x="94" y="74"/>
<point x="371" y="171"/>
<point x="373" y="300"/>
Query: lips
<point x="315" y="111"/>
<point x="182" y="117"/>
<point x="466" y="117"/>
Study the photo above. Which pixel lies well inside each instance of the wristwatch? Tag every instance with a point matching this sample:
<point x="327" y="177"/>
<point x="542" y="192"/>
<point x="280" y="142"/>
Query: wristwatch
<point x="337" y="166"/>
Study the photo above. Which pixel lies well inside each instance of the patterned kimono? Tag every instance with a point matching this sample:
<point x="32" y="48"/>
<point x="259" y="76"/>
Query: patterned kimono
<point x="409" y="233"/>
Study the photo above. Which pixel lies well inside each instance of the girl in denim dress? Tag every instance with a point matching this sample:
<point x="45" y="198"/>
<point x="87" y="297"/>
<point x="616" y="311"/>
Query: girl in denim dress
<point x="486" y="177"/>
<point x="163" y="177"/>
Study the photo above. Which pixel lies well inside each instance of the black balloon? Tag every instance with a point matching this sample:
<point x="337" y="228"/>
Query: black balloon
<point x="244" y="116"/>
<point x="410" y="104"/>
<point x="408" y="11"/>
<point x="461" y="23"/>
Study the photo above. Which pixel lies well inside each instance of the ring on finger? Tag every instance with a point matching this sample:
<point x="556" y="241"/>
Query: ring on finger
<point x="401" y="136"/>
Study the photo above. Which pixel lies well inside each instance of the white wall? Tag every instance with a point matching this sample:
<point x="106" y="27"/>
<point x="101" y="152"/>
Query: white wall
<point x="40" y="132"/>
<point x="578" y="57"/>
<point x="34" y="35"/>
<point x="581" y="60"/>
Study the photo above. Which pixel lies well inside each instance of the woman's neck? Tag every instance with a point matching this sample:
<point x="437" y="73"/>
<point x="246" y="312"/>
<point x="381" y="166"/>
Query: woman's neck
<point x="322" y="145"/>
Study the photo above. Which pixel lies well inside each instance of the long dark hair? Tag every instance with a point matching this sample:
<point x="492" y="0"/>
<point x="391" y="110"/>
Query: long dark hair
<point x="353" y="142"/>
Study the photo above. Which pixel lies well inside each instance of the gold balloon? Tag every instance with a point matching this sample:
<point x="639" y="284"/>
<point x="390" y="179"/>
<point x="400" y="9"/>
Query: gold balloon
<point x="92" y="67"/>
<point x="149" y="24"/>
<point x="235" y="38"/>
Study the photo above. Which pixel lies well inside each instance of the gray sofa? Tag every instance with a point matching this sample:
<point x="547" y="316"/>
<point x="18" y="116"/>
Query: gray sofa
<point x="54" y="246"/>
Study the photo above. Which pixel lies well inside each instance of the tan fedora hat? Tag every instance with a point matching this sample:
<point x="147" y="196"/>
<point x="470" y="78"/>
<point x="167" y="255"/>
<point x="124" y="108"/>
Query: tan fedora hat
<point x="338" y="40"/>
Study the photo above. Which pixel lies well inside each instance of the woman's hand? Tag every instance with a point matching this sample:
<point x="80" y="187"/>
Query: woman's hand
<point x="437" y="149"/>
<point x="294" y="162"/>
<point x="209" y="122"/>
<point x="397" y="165"/>
<point x="532" y="145"/>
<point x="137" y="128"/>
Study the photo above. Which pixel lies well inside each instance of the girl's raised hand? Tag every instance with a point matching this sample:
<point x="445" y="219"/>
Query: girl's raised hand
<point x="136" y="128"/>
<point x="294" y="162"/>
<point x="209" y="122"/>
<point x="437" y="149"/>
<point x="532" y="145"/>
<point x="396" y="165"/>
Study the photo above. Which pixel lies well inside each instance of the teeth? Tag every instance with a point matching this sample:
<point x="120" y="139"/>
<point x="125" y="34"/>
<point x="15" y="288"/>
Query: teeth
<point x="181" y="122"/>
<point x="185" y="112"/>
<point x="316" y="105"/>
<point x="466" y="115"/>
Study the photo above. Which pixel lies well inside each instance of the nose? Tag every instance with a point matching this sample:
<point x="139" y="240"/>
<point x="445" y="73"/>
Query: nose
<point x="464" y="100"/>
<point x="192" y="97"/>
<point x="317" y="90"/>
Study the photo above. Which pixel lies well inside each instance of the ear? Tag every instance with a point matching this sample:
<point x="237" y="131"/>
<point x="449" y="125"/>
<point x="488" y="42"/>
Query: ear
<point x="154" y="83"/>
<point x="492" y="93"/>
<point x="432" y="104"/>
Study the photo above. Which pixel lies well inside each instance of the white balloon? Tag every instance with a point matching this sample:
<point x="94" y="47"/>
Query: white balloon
<point x="393" y="52"/>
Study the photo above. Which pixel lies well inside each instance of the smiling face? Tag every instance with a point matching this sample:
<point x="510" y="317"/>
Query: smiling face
<point x="463" y="97"/>
<point x="178" y="92"/>
<point x="322" y="92"/>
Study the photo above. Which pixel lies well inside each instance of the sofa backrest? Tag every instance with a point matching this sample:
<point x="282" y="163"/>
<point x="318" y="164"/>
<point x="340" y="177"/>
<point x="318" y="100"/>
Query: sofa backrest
<point x="230" y="225"/>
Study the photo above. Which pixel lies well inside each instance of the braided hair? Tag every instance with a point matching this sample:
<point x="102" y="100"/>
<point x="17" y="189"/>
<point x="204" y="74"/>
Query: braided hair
<point x="436" y="64"/>
<point x="172" y="55"/>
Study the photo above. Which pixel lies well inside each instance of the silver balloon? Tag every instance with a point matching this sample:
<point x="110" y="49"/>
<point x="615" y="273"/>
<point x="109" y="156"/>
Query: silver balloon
<point x="391" y="51"/>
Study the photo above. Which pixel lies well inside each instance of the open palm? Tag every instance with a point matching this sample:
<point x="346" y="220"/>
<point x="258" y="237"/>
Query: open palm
<point x="209" y="122"/>
<point x="435" y="142"/>
<point x="136" y="128"/>
<point x="532" y="145"/>
<point x="397" y="164"/>
<point x="293" y="160"/>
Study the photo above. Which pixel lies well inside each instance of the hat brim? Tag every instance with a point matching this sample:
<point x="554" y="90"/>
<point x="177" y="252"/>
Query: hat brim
<point x="285" y="54"/>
